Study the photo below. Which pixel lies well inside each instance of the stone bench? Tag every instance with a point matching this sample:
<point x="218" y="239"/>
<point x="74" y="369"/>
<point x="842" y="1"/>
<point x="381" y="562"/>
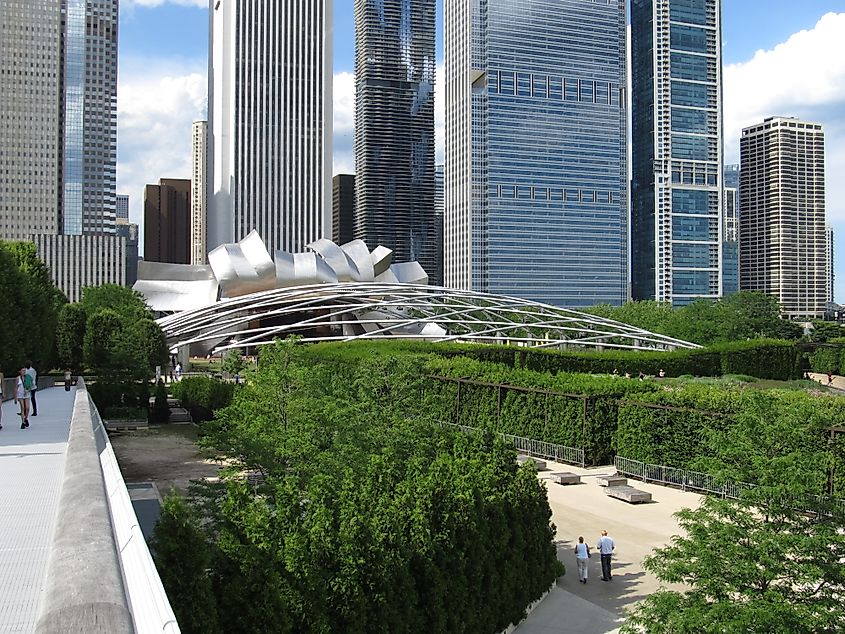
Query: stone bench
<point x="611" y="481"/>
<point x="125" y="425"/>
<point x="628" y="494"/>
<point x="566" y="477"/>
<point x="540" y="465"/>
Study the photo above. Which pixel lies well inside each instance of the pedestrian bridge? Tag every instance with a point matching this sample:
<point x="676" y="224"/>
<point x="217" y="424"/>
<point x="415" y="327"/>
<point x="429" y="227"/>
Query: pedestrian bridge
<point x="72" y="556"/>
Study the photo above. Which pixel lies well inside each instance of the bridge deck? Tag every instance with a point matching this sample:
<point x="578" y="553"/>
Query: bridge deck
<point x="32" y="463"/>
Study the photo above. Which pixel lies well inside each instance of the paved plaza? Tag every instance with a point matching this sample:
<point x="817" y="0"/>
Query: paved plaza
<point x="32" y="463"/>
<point x="584" y="509"/>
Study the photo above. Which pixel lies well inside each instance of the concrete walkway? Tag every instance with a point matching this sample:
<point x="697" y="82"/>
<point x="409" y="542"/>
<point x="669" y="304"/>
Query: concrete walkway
<point x="32" y="463"/>
<point x="584" y="510"/>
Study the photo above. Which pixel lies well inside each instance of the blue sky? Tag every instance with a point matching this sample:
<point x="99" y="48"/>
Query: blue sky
<point x="781" y="57"/>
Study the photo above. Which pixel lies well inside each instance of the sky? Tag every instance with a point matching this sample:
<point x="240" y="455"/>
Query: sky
<point x="780" y="57"/>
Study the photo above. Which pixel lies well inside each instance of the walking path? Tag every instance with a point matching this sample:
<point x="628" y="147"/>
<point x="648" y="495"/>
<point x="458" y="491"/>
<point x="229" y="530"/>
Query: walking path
<point x="32" y="463"/>
<point x="584" y="509"/>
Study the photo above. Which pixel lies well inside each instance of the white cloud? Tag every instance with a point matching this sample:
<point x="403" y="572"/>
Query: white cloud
<point x="156" y="104"/>
<point x="343" y="156"/>
<point x="802" y="77"/>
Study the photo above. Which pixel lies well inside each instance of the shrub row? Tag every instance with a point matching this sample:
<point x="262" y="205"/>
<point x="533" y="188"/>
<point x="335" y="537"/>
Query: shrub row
<point x="202" y="396"/>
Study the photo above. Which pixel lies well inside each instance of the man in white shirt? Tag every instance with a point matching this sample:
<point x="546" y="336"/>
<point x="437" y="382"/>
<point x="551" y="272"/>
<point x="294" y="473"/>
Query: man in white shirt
<point x="605" y="547"/>
<point x="31" y="372"/>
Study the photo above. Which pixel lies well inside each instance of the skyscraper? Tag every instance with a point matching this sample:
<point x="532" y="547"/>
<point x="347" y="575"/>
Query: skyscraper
<point x="394" y="128"/>
<point x="58" y="117"/>
<point x="122" y="208"/>
<point x="167" y="221"/>
<point x="343" y="208"/>
<point x="199" y="192"/>
<point x="730" y="242"/>
<point x="676" y="196"/>
<point x="782" y="242"/>
<point x="270" y="121"/>
<point x="58" y="135"/>
<point x="829" y="259"/>
<point x="536" y="176"/>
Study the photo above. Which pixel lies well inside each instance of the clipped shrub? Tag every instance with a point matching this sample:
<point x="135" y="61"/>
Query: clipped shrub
<point x="826" y="359"/>
<point x="763" y="358"/>
<point x="202" y="396"/>
<point x="160" y="412"/>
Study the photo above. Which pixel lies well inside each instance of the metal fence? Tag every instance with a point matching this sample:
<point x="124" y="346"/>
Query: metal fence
<point x="538" y="448"/>
<point x="684" y="479"/>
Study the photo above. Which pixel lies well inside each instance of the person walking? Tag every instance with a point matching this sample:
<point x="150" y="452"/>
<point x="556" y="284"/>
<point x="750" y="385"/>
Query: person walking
<point x="67" y="379"/>
<point x="22" y="383"/>
<point x="582" y="556"/>
<point x="33" y="374"/>
<point x="605" y="546"/>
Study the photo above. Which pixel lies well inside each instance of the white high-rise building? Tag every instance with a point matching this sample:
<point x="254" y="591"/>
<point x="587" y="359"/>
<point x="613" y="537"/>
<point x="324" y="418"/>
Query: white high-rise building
<point x="270" y="121"/>
<point x="199" y="192"/>
<point x="828" y="256"/>
<point x="782" y="239"/>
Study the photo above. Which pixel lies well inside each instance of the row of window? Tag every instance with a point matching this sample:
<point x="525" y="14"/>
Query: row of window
<point x="552" y="87"/>
<point x="527" y="192"/>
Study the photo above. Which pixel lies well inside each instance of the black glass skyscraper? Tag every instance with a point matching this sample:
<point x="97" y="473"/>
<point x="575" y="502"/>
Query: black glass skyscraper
<point x="394" y="129"/>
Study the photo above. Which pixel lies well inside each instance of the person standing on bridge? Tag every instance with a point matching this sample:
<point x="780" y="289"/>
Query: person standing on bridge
<point x="22" y="385"/>
<point x="33" y="374"/>
<point x="582" y="556"/>
<point x="605" y="546"/>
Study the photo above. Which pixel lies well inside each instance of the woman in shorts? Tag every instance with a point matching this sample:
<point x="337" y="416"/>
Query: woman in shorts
<point x="22" y="396"/>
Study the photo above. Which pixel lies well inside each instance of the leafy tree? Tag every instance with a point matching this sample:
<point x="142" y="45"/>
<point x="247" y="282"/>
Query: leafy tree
<point x="102" y="338"/>
<point x="183" y="557"/>
<point x="233" y="362"/>
<point x="128" y="304"/>
<point x="824" y="331"/>
<point x="151" y="341"/>
<point x="748" y="568"/>
<point x="70" y="334"/>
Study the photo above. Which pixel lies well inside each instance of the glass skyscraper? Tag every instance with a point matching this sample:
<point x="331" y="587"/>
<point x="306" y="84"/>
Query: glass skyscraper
<point x="394" y="129"/>
<point x="58" y="117"/>
<point x="676" y="195"/>
<point x="536" y="175"/>
<point x="730" y="244"/>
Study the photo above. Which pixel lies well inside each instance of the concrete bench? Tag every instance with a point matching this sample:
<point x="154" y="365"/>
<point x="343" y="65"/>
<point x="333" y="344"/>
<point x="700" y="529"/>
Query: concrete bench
<point x="628" y="494"/>
<point x="125" y="425"/>
<point x="566" y="477"/>
<point x="540" y="465"/>
<point x="611" y="481"/>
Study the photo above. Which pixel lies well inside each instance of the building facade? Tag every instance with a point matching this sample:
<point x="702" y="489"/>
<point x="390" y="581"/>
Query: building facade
<point x="394" y="127"/>
<point x="167" y="221"/>
<point x="122" y="208"/>
<point x="199" y="192"/>
<point x="782" y="240"/>
<point x="536" y="174"/>
<point x="439" y="208"/>
<point x="677" y="226"/>
<point x="270" y="122"/>
<point x="343" y="208"/>
<point x="129" y="231"/>
<point x="730" y="241"/>
<point x="76" y="261"/>
<point x="828" y="255"/>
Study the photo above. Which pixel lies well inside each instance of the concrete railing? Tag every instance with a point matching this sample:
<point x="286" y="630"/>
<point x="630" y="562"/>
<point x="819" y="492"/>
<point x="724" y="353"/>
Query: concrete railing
<point x="101" y="577"/>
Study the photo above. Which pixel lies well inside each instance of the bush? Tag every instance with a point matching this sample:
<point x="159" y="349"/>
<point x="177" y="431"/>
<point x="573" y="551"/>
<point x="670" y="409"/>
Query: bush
<point x="764" y="359"/>
<point x="160" y="413"/>
<point x="202" y="396"/>
<point x="112" y="395"/>
<point x="826" y="359"/>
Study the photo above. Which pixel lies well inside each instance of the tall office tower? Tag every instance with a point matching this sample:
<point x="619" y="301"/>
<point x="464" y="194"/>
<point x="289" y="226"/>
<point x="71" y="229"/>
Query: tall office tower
<point x="90" y="117"/>
<point x="536" y="176"/>
<point x="343" y="208"/>
<point x="828" y="256"/>
<point x="76" y="261"/>
<point x="199" y="192"/>
<point x="676" y="195"/>
<point x="730" y="237"/>
<point x="167" y="221"/>
<point x="394" y="128"/>
<point x="270" y="122"/>
<point x="782" y="245"/>
<point x="122" y="209"/>
<point x="439" y="207"/>
<point x="129" y="231"/>
<point x="30" y="118"/>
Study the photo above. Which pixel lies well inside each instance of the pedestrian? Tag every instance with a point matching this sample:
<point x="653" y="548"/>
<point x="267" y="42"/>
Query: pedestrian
<point x="67" y="379"/>
<point x="642" y="376"/>
<point x="178" y="371"/>
<point x="582" y="556"/>
<point x="22" y="385"/>
<point x="34" y="376"/>
<point x="605" y="546"/>
<point x="829" y="378"/>
<point x="662" y="373"/>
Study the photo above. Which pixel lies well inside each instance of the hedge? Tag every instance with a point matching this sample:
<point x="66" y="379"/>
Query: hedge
<point x="202" y="395"/>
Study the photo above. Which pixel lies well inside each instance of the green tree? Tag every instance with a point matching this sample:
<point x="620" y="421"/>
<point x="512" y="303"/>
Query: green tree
<point x="183" y="557"/>
<point x="128" y="304"/>
<point x="748" y="569"/>
<point x="151" y="340"/>
<point x="102" y="338"/>
<point x="233" y="362"/>
<point x="70" y="334"/>
<point x="824" y="331"/>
